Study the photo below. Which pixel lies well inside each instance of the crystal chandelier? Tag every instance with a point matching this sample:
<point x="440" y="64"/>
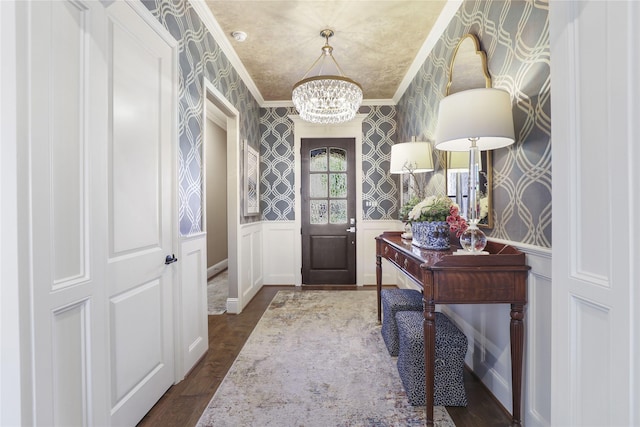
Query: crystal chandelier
<point x="326" y="99"/>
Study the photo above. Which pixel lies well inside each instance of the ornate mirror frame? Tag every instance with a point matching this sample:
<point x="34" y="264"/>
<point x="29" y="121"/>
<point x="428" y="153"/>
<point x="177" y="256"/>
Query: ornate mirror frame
<point x="468" y="70"/>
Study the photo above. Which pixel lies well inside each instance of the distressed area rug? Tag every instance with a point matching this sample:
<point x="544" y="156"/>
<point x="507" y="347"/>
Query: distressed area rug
<point x="316" y="358"/>
<point x="217" y="293"/>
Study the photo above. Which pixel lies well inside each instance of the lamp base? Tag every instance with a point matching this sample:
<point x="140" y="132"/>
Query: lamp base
<point x="473" y="240"/>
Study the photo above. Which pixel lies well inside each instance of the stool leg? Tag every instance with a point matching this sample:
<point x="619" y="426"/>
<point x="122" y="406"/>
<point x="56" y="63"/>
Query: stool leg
<point x="429" y="356"/>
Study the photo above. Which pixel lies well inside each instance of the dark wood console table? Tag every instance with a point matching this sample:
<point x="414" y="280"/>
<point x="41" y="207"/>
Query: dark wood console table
<point x="497" y="278"/>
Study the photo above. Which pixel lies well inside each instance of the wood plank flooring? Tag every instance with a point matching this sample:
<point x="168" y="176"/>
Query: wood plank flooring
<point x="184" y="402"/>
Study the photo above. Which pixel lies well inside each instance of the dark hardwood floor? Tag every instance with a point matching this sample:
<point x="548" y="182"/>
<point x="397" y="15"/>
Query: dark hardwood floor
<point x="184" y="402"/>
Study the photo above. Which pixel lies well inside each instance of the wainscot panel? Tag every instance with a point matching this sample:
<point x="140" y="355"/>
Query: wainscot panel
<point x="489" y="343"/>
<point x="366" y="241"/>
<point x="194" y="340"/>
<point x="250" y="266"/>
<point x="281" y="252"/>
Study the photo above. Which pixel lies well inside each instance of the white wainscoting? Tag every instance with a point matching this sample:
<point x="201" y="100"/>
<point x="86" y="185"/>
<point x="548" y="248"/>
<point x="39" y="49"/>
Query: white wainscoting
<point x="486" y="326"/>
<point x="194" y="339"/>
<point x="282" y="253"/>
<point x="366" y="252"/>
<point x="250" y="265"/>
<point x="489" y="353"/>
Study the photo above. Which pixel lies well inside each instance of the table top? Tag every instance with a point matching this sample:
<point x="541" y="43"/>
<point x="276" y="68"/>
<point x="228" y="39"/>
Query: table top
<point x="499" y="254"/>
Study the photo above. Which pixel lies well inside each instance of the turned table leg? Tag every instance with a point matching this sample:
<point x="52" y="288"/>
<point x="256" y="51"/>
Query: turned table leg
<point x="517" y="345"/>
<point x="379" y="285"/>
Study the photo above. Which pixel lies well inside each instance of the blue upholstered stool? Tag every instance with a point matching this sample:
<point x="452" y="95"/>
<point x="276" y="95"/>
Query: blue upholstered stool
<point x="393" y="301"/>
<point x="451" y="347"/>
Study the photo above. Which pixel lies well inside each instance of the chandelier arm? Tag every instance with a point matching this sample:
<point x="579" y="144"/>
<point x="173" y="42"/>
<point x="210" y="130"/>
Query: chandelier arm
<point x="312" y="66"/>
<point x="337" y="66"/>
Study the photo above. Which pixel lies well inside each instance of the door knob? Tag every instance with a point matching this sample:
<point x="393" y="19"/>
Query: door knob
<point x="170" y="259"/>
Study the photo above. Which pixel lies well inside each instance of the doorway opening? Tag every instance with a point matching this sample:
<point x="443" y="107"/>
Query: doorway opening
<point x="215" y="172"/>
<point x="220" y="198"/>
<point x="351" y="129"/>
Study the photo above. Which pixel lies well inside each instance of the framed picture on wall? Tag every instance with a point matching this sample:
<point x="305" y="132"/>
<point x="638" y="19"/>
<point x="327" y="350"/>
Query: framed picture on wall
<point x="251" y="180"/>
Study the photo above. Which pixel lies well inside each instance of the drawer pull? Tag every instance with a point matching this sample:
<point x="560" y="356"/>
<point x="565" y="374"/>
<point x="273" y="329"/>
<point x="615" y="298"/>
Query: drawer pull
<point x="406" y="263"/>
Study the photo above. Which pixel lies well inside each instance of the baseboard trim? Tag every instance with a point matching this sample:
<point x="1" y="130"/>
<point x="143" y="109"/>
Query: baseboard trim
<point x="217" y="268"/>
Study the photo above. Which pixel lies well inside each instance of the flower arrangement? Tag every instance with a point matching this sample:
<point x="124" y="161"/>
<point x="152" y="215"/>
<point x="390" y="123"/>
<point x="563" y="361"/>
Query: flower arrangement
<point x="438" y="208"/>
<point x="403" y="214"/>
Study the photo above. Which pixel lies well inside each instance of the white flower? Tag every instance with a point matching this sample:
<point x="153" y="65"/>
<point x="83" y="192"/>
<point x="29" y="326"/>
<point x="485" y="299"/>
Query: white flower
<point x="484" y="207"/>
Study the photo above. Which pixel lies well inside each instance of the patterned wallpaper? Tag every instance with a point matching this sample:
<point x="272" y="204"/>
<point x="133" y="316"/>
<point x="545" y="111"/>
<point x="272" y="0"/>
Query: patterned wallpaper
<point x="277" y="163"/>
<point x="515" y="36"/>
<point x="200" y="55"/>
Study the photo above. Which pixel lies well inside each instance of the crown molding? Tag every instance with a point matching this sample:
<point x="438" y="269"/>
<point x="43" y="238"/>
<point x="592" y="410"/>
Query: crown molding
<point x="365" y="102"/>
<point x="448" y="12"/>
<point x="219" y="36"/>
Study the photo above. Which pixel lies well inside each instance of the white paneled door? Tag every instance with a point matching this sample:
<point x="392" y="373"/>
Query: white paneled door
<point x="595" y="112"/>
<point x="101" y="104"/>
<point x="139" y="185"/>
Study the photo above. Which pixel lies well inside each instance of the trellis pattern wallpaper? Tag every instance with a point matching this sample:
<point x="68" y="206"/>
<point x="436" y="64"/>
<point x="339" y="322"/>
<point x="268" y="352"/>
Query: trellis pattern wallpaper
<point x="515" y="37"/>
<point x="277" y="160"/>
<point x="200" y="56"/>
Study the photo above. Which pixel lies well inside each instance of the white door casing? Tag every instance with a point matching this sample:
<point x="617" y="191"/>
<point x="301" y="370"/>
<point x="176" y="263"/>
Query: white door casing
<point x="596" y="104"/>
<point x="351" y="129"/>
<point x="101" y="113"/>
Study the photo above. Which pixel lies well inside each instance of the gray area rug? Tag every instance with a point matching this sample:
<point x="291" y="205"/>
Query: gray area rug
<point x="217" y="293"/>
<point x="316" y="358"/>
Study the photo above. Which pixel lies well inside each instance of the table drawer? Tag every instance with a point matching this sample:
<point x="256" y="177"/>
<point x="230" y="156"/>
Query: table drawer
<point x="408" y="265"/>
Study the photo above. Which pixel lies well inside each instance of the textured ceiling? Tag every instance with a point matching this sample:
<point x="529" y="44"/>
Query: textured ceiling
<point x="375" y="42"/>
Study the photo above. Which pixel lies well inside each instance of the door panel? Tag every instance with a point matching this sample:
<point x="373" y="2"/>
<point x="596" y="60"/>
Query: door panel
<point x="328" y="211"/>
<point x="100" y="101"/>
<point x="68" y="321"/>
<point x="594" y="292"/>
<point x="140" y="234"/>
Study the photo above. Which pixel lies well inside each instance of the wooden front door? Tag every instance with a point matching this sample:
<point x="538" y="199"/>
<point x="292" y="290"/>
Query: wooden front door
<point x="328" y="211"/>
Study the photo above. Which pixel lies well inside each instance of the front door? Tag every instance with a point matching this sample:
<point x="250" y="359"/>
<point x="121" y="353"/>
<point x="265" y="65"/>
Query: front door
<point x="328" y="211"/>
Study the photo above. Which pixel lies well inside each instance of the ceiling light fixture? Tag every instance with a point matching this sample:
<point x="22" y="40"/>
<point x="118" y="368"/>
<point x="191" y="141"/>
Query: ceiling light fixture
<point x="239" y="36"/>
<point x="326" y="99"/>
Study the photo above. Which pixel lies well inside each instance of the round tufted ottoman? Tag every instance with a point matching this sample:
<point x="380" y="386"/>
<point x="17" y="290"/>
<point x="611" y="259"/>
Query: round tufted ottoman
<point x="393" y="301"/>
<point x="451" y="347"/>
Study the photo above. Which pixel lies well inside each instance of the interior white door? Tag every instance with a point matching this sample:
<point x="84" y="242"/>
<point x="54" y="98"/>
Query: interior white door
<point x="140" y="235"/>
<point x="68" y="309"/>
<point x="595" y="109"/>
<point x="100" y="88"/>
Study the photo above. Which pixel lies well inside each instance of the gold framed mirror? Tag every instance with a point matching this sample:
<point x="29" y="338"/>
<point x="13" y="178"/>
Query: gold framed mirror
<point x="468" y="70"/>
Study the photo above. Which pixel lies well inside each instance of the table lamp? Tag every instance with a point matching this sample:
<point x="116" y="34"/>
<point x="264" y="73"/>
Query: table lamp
<point x="474" y="120"/>
<point x="411" y="157"/>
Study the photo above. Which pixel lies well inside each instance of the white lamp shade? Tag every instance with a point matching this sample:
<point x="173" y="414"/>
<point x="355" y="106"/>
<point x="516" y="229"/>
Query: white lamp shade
<point x="483" y="113"/>
<point x="411" y="157"/>
<point x="458" y="161"/>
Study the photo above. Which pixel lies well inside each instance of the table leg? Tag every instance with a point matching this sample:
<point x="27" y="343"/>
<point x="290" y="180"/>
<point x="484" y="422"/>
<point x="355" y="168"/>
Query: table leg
<point x="379" y="285"/>
<point x="429" y="356"/>
<point x="517" y="346"/>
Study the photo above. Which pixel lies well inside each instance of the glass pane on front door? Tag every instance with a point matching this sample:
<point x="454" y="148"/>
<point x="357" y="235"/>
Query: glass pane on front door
<point x="328" y="191"/>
